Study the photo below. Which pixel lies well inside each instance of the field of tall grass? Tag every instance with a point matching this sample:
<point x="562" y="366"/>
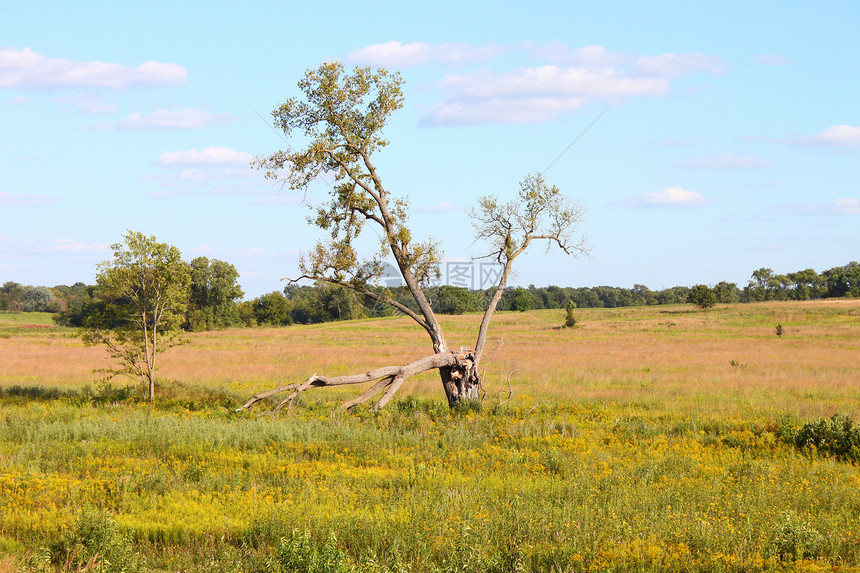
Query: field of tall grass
<point x="643" y="439"/>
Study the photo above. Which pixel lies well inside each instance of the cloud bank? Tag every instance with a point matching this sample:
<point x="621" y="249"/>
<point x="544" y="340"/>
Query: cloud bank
<point x="398" y="55"/>
<point x="836" y="136"/>
<point x="668" y="197"/>
<point x="207" y="156"/>
<point x="841" y="206"/>
<point x="27" y="69"/>
<point x="18" y="200"/>
<point x="565" y="80"/>
<point x="167" y="119"/>
<point x="73" y="246"/>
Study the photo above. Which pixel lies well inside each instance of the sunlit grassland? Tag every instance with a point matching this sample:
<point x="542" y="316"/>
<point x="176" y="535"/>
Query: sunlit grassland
<point x="642" y="439"/>
<point x="674" y="356"/>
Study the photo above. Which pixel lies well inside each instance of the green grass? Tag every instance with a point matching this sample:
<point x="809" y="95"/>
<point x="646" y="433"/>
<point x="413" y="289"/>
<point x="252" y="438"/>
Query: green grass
<point x="668" y="461"/>
<point x="25" y="318"/>
<point x="555" y="487"/>
<point x="29" y="324"/>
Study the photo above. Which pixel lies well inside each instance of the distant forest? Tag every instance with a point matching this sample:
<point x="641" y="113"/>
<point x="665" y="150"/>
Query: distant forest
<point x="215" y="297"/>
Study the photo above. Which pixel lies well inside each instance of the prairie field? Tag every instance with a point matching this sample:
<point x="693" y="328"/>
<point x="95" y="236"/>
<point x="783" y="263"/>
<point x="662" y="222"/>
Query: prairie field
<point x="643" y="439"/>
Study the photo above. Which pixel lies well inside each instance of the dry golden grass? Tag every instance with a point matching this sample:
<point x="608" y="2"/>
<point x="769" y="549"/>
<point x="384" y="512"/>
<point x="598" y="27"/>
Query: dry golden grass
<point x="644" y="439"/>
<point x="725" y="359"/>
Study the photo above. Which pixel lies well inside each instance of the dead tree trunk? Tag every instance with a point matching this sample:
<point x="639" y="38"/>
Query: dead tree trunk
<point x="461" y="382"/>
<point x="459" y="368"/>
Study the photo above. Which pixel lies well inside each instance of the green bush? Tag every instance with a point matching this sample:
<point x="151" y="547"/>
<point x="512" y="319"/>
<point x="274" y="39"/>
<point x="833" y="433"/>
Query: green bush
<point x="836" y="437"/>
<point x="299" y="554"/>
<point x="702" y="296"/>
<point x="795" y="538"/>
<point x="570" y="318"/>
<point x="96" y="543"/>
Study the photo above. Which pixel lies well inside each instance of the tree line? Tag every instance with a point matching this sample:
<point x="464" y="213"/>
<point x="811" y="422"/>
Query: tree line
<point x="214" y="297"/>
<point x="211" y="298"/>
<point x="323" y="302"/>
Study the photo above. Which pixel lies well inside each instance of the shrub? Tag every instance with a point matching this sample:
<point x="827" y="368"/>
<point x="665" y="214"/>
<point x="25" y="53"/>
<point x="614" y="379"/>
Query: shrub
<point x="795" y="538"/>
<point x="569" y="318"/>
<point x="702" y="296"/>
<point x="96" y="541"/>
<point x="836" y="437"/>
<point x="299" y="555"/>
<point x="521" y="300"/>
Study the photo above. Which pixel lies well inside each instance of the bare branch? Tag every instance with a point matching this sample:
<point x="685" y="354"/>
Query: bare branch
<point x="362" y="289"/>
<point x="510" y="387"/>
<point x="540" y="213"/>
<point x="390" y="377"/>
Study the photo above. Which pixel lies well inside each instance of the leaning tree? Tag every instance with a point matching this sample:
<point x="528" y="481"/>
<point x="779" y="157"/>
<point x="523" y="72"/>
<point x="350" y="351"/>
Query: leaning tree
<point x="342" y="115"/>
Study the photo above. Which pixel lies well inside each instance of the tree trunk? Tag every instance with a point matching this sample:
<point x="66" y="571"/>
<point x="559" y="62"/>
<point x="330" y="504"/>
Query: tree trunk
<point x="461" y="383"/>
<point x="458" y="371"/>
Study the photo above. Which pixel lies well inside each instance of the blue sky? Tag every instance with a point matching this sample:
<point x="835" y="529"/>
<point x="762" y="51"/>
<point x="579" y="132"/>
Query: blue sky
<point x="729" y="138"/>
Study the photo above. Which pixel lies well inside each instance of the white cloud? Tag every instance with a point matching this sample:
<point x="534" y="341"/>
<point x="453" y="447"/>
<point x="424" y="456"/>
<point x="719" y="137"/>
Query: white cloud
<point x="668" y="197"/>
<point x="594" y="56"/>
<point x="207" y="156"/>
<point x="550" y="81"/>
<point x="836" y="136"/>
<point x="532" y="94"/>
<point x="31" y="70"/>
<point x="168" y="119"/>
<point x="572" y="78"/>
<point x="846" y="206"/>
<point x="540" y="93"/>
<point x="723" y="161"/>
<point x="193" y="184"/>
<point x="676" y="65"/>
<point x="13" y="200"/>
<point x="205" y="172"/>
<point x="398" y="55"/>
<point x="252" y="252"/>
<point x="758" y="186"/>
<point x="534" y="110"/>
<point x="192" y="175"/>
<point x="91" y="105"/>
<point x="73" y="246"/>
<point x="841" y="206"/>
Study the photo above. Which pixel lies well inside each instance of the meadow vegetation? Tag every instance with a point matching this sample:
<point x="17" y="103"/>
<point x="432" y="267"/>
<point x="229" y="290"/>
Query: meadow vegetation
<point x="638" y="439"/>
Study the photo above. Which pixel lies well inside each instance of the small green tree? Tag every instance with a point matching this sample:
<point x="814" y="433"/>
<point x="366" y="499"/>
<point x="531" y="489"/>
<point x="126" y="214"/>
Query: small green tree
<point x="12" y="296"/>
<point x="702" y="296"/>
<point x="214" y="292"/>
<point x="521" y="300"/>
<point x="842" y="281"/>
<point x="806" y="284"/>
<point x="272" y="309"/>
<point x="569" y="316"/>
<point x="145" y="286"/>
<point x="761" y="285"/>
<point x="455" y="300"/>
<point x="726" y="292"/>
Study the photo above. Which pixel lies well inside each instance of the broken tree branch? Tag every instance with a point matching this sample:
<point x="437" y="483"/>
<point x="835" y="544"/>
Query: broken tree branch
<point x="391" y="378"/>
